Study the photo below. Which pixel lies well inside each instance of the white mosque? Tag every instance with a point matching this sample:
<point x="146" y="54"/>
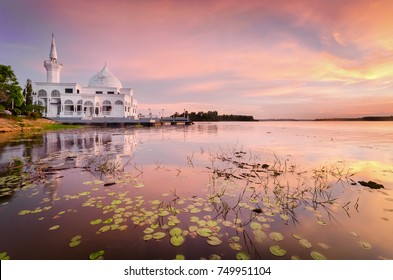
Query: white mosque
<point x="103" y="97"/>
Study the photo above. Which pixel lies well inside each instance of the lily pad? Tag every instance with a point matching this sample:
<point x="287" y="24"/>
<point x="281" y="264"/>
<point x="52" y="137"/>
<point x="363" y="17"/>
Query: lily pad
<point x="214" y="241"/>
<point x="108" y="221"/>
<point x="97" y="255"/>
<point x="139" y="185"/>
<point x="84" y="193"/>
<point x="96" y="222"/>
<point x="75" y="243"/>
<point x="297" y="236"/>
<point x="235" y="246"/>
<point x="76" y="237"/>
<point x="24" y="212"/>
<point x="4" y="256"/>
<point x="321" y="222"/>
<point x="54" y="227"/>
<point x="284" y="217"/>
<point x="147" y="237"/>
<point x="159" y="235"/>
<point x="255" y="226"/>
<point x="242" y="256"/>
<point x="323" y="245"/>
<point x="276" y="236"/>
<point x="194" y="219"/>
<point x="353" y="233"/>
<point x="177" y="240"/>
<point x="317" y="256"/>
<point x="204" y="232"/>
<point x="116" y="202"/>
<point x="259" y="235"/>
<point x="305" y="243"/>
<point x="105" y="228"/>
<point x="148" y="230"/>
<point x="176" y="231"/>
<point x="227" y="223"/>
<point x="192" y="228"/>
<point x="195" y="210"/>
<point x="277" y="251"/>
<point x="214" y="257"/>
<point x="180" y="257"/>
<point x="234" y="239"/>
<point x="163" y="213"/>
<point x="156" y="202"/>
<point x="211" y="223"/>
<point x="365" y="245"/>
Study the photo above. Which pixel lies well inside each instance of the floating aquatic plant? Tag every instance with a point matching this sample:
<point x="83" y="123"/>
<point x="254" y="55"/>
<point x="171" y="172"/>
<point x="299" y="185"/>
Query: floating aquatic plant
<point x="99" y="255"/>
<point x="242" y="256"/>
<point x="204" y="232"/>
<point x="323" y="245"/>
<point x="277" y="251"/>
<point x="305" y="243"/>
<point x="4" y="256"/>
<point x="214" y="241"/>
<point x="75" y="241"/>
<point x="54" y="227"/>
<point x="177" y="240"/>
<point x="276" y="236"/>
<point x="365" y="245"/>
<point x="159" y="235"/>
<point x="180" y="257"/>
<point x="317" y="256"/>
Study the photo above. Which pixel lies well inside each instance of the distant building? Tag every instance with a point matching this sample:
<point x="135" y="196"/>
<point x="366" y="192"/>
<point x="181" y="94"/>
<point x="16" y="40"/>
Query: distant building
<point x="104" y="96"/>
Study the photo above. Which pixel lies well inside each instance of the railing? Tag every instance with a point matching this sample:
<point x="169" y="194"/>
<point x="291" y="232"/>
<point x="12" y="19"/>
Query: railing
<point x="106" y="113"/>
<point x="68" y="113"/>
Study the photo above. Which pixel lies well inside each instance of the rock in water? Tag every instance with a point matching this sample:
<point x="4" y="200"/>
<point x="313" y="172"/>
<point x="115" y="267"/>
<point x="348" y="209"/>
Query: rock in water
<point x="371" y="184"/>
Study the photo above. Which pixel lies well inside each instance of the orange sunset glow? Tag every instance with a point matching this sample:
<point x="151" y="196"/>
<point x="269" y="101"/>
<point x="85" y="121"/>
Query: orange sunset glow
<point x="270" y="59"/>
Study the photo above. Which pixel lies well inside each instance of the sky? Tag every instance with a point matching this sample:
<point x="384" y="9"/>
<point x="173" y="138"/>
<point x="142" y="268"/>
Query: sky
<point x="299" y="59"/>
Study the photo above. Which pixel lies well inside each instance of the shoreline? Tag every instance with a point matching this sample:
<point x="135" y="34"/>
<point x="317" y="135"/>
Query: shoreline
<point x="22" y="124"/>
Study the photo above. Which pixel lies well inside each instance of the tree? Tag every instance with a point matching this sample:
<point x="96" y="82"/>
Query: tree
<point x="10" y="91"/>
<point x="28" y="93"/>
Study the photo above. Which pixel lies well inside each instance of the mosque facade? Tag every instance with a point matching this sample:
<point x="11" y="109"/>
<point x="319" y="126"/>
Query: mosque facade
<point x="104" y="97"/>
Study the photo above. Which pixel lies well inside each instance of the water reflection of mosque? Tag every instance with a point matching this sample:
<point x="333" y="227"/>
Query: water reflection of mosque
<point x="85" y="144"/>
<point x="57" y="152"/>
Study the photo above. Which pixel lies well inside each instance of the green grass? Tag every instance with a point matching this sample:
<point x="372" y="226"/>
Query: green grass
<point x="59" y="126"/>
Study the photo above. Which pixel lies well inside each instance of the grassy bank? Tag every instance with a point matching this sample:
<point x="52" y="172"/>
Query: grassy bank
<point x="22" y="124"/>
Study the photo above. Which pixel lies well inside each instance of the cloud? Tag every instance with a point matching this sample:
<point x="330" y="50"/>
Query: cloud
<point x="223" y="53"/>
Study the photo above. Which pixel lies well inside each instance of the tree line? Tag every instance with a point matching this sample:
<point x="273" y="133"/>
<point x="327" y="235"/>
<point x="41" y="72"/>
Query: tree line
<point x="213" y="116"/>
<point x="13" y="98"/>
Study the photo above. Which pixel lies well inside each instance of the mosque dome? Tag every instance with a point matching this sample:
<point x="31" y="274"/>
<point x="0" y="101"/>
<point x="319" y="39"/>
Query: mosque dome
<point x="104" y="78"/>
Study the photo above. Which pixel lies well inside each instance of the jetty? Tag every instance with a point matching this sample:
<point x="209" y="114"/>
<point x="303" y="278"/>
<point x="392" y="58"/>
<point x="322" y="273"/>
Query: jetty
<point x="124" y="121"/>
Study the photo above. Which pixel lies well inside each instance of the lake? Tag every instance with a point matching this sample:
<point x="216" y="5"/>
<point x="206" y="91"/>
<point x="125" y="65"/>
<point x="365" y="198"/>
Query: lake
<point x="228" y="190"/>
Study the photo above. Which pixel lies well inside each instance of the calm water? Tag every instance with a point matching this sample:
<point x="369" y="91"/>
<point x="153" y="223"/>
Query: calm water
<point x="266" y="190"/>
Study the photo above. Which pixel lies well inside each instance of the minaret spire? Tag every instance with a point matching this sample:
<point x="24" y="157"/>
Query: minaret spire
<point x="52" y="66"/>
<point x="53" y="52"/>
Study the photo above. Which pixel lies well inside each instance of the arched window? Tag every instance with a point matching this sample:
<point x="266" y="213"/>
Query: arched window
<point x="42" y="93"/>
<point x="89" y="104"/>
<point x="55" y="93"/>
<point x="68" y="107"/>
<point x="106" y="107"/>
<point x="118" y="102"/>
